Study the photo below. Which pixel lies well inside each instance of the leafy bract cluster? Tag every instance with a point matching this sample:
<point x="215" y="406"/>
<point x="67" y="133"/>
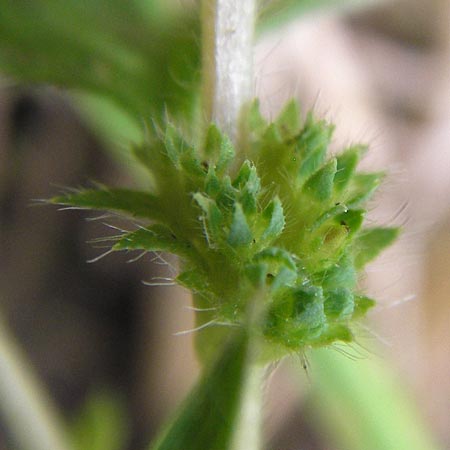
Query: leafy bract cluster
<point x="278" y="223"/>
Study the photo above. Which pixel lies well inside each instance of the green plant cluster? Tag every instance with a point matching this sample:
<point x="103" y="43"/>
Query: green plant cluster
<point x="278" y="222"/>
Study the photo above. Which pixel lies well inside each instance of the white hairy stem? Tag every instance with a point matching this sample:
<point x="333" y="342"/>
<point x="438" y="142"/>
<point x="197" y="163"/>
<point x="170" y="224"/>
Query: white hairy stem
<point x="227" y="60"/>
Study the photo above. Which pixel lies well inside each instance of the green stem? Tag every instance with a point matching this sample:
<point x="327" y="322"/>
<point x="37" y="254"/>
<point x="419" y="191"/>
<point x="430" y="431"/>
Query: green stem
<point x="28" y="412"/>
<point x="248" y="429"/>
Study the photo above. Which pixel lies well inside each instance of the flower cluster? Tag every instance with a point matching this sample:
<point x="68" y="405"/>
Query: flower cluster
<point x="278" y="222"/>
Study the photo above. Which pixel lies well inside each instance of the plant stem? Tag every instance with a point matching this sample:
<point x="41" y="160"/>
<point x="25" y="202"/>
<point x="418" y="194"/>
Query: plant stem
<point x="28" y="412"/>
<point x="248" y="429"/>
<point x="227" y="28"/>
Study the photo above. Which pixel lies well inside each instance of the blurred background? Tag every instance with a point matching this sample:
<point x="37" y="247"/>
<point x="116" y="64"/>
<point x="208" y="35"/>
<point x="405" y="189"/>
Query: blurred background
<point x="101" y="342"/>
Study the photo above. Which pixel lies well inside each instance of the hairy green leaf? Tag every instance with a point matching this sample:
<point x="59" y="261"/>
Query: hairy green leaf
<point x="154" y="238"/>
<point x="346" y="166"/>
<point x="213" y="215"/>
<point x="362" y="305"/>
<point x="240" y="233"/>
<point x="274" y="214"/>
<point x="194" y="280"/>
<point x="320" y="185"/>
<point x="134" y="203"/>
<point x="288" y="122"/>
<point x="371" y="242"/>
<point x="361" y="188"/>
<point x="218" y="149"/>
<point x="276" y="255"/>
<point x="312" y="145"/>
<point x="339" y="303"/>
